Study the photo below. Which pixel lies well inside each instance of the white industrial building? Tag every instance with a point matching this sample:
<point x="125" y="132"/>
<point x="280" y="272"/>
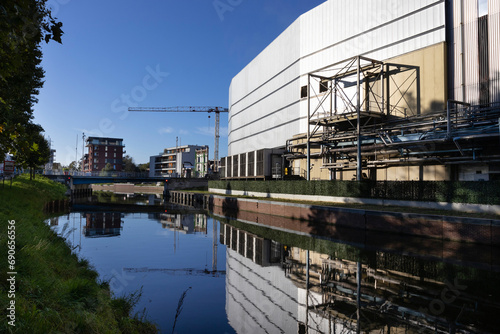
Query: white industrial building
<point x="417" y="72"/>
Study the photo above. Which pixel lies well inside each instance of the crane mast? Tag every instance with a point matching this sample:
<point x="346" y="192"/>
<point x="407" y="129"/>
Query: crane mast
<point x="216" y="110"/>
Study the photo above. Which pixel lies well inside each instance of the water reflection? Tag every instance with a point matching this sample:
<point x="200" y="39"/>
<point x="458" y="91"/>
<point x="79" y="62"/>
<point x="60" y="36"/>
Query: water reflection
<point x="182" y="222"/>
<point x="163" y="254"/>
<point x="103" y="224"/>
<point x="248" y="278"/>
<point x="278" y="287"/>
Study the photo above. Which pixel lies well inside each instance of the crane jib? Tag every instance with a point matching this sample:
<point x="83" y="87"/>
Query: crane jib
<point x="217" y="111"/>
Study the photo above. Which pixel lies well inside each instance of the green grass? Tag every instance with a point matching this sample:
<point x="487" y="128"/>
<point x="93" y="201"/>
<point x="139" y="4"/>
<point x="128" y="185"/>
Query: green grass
<point x="55" y="292"/>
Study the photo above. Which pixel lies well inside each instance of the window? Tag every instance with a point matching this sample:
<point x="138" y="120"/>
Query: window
<point x="303" y="91"/>
<point x="106" y="154"/>
<point x="105" y="148"/>
<point x="96" y="154"/>
<point x="115" y="155"/>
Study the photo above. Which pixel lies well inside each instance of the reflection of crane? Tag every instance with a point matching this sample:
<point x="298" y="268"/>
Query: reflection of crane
<point x="216" y="110"/>
<point x="179" y="271"/>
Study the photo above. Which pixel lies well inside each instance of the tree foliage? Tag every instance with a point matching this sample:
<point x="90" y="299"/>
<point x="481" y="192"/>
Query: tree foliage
<point x="108" y="168"/>
<point x="143" y="167"/>
<point x="24" y="24"/>
<point x="74" y="166"/>
<point x="129" y="165"/>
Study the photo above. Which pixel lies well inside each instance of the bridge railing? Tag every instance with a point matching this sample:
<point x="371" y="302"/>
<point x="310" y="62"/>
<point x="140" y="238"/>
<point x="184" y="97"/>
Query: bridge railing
<point x="101" y="174"/>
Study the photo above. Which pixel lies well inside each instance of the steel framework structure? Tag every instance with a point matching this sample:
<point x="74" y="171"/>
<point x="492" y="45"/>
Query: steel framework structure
<point x="334" y="87"/>
<point x="366" y="108"/>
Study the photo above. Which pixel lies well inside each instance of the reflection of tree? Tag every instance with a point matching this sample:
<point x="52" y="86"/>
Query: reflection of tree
<point x="230" y="207"/>
<point x="347" y="225"/>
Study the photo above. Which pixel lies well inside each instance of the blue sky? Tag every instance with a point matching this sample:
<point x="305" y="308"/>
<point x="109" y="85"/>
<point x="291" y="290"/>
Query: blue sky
<point x="156" y="53"/>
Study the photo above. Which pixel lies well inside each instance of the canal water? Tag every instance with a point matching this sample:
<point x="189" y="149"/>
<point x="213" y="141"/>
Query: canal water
<point x="200" y="273"/>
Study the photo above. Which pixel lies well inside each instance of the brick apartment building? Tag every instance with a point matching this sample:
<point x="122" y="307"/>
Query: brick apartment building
<point x="102" y="151"/>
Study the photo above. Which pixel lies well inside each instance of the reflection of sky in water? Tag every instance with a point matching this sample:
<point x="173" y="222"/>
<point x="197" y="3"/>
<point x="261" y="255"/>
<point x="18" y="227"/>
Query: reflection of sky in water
<point x="164" y="262"/>
<point x="259" y="285"/>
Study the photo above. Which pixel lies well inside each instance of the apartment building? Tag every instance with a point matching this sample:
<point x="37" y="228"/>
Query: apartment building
<point x="175" y="161"/>
<point x="202" y="162"/>
<point x="103" y="151"/>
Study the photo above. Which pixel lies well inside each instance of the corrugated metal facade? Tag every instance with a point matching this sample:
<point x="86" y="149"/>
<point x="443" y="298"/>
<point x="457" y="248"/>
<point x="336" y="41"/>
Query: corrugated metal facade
<point x="472" y="61"/>
<point x="264" y="98"/>
<point x="494" y="49"/>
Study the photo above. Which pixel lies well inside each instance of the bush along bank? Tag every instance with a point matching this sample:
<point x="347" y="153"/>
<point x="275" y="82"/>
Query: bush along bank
<point x="44" y="287"/>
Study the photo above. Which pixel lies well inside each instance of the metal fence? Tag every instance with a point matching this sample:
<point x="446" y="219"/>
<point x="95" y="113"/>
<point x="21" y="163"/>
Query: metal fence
<point x="101" y="173"/>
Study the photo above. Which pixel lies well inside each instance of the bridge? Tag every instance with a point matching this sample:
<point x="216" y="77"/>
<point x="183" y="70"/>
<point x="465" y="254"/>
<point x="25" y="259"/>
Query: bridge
<point x="104" y="177"/>
<point x="80" y="182"/>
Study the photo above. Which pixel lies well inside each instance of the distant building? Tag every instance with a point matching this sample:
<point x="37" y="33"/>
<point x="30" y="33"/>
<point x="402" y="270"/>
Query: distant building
<point x="103" y="151"/>
<point x="49" y="166"/>
<point x="202" y="162"/>
<point x="174" y="161"/>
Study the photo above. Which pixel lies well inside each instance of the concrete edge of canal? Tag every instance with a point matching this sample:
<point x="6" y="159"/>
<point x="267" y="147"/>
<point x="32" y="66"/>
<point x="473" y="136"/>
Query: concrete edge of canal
<point x="326" y="220"/>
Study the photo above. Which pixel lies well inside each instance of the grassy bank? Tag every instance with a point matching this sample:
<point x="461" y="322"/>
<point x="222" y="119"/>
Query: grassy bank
<point x="54" y="291"/>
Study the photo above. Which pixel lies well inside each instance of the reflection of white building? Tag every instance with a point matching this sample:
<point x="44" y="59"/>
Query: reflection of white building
<point x="266" y="291"/>
<point x="183" y="223"/>
<point x="200" y="222"/>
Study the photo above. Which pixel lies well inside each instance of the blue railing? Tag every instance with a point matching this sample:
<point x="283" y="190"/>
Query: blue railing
<point x="99" y="174"/>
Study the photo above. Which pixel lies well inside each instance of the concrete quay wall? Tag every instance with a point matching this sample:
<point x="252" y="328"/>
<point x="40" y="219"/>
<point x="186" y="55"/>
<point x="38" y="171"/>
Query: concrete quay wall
<point x="333" y="222"/>
<point x="464" y="207"/>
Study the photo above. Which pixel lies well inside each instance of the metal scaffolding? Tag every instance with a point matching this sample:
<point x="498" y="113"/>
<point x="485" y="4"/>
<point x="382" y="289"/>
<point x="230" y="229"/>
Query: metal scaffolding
<point x="367" y="113"/>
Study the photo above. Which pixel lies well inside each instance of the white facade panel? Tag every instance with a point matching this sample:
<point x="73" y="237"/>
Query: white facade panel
<point x="494" y="50"/>
<point x="465" y="58"/>
<point x="265" y="105"/>
<point x="493" y="7"/>
<point x="471" y="51"/>
<point x="458" y="54"/>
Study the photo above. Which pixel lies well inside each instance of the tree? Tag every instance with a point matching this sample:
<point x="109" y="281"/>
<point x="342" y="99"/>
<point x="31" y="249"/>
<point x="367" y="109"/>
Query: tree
<point x="129" y="165"/>
<point x="32" y="150"/>
<point x="74" y="166"/>
<point x="24" y="24"/>
<point x="143" y="167"/>
<point x="108" y="168"/>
